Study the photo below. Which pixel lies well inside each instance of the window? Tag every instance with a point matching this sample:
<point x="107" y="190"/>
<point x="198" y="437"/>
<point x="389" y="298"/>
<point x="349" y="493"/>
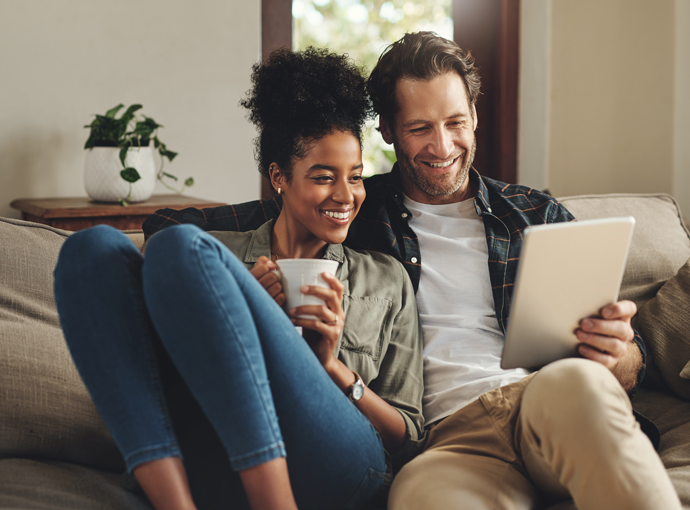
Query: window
<point x="363" y="29"/>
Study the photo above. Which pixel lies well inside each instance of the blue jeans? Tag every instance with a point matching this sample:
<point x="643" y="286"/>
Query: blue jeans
<point x="243" y="364"/>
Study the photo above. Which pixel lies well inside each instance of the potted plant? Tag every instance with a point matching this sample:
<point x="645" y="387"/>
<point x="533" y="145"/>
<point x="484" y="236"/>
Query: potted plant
<point x="119" y="166"/>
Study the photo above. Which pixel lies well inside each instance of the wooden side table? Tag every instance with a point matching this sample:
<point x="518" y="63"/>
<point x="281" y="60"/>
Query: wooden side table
<point x="79" y="213"/>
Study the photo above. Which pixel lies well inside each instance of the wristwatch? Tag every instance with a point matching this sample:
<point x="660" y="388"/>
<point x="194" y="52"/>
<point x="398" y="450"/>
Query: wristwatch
<point x="356" y="390"/>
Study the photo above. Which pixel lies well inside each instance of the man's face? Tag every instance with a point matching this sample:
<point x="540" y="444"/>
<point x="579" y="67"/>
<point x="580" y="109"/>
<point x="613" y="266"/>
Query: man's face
<point x="433" y="137"/>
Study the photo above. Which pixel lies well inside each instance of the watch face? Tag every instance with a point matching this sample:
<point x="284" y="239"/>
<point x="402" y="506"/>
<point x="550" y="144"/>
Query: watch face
<point x="357" y="390"/>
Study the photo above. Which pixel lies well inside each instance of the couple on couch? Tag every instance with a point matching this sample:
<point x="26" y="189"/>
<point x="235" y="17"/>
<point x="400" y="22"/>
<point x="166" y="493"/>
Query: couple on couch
<point x="320" y="420"/>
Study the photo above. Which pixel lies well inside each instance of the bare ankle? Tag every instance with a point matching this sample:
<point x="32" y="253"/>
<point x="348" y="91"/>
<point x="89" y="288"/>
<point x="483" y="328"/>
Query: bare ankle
<point x="165" y="483"/>
<point x="268" y="486"/>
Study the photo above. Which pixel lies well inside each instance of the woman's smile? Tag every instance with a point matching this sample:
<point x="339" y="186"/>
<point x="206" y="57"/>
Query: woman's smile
<point x="339" y="217"/>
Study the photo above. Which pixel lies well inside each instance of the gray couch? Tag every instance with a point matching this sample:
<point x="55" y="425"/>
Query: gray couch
<point x="55" y="452"/>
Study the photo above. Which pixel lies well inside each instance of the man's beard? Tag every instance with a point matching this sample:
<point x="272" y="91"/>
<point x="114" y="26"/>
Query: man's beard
<point x="434" y="188"/>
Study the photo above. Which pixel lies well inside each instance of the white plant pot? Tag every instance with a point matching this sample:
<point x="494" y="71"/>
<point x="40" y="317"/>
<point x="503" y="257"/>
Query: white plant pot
<point x="102" y="178"/>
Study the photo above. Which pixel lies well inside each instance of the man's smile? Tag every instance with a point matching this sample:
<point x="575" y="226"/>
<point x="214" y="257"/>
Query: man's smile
<point x="442" y="164"/>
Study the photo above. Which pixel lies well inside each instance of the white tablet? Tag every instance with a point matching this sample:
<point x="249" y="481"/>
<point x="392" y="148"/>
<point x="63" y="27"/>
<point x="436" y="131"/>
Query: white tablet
<point x="567" y="271"/>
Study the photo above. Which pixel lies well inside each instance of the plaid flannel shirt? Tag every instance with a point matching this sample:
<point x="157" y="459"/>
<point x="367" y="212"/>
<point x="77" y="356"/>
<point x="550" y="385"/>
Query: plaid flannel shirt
<point x="383" y="225"/>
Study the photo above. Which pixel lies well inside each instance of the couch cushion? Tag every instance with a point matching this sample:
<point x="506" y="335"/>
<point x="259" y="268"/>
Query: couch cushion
<point x="46" y="485"/>
<point x="672" y="416"/>
<point x="45" y="410"/>
<point x="661" y="243"/>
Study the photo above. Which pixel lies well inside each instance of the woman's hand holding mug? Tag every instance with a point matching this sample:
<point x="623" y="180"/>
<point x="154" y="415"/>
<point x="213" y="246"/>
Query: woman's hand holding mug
<point x="322" y="333"/>
<point x="321" y="324"/>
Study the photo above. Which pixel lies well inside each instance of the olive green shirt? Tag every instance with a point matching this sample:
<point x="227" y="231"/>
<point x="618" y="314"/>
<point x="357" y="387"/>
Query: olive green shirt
<point x="382" y="336"/>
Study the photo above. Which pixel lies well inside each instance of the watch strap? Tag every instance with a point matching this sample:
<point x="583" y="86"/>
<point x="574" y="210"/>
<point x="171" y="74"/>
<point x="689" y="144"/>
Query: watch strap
<point x="357" y="384"/>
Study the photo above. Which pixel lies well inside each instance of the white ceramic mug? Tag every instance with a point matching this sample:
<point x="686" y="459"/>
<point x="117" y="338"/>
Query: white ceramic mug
<point x="294" y="273"/>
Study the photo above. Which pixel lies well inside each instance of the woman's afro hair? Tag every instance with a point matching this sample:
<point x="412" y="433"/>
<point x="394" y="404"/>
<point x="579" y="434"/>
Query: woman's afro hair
<point x="299" y="97"/>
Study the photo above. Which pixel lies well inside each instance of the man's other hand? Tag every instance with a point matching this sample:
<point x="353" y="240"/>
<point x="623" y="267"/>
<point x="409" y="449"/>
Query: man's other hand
<point x="606" y="339"/>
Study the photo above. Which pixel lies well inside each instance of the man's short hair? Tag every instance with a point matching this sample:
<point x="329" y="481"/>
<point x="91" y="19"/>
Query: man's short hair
<point x="418" y="56"/>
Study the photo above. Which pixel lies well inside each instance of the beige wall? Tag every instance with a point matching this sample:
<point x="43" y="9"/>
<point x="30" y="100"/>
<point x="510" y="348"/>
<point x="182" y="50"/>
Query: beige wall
<point x="612" y="96"/>
<point x="605" y="96"/>
<point x="681" y="148"/>
<point x="188" y="63"/>
<point x="534" y="93"/>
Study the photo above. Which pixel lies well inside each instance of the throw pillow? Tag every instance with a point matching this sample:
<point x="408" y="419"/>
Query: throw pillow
<point x="664" y="323"/>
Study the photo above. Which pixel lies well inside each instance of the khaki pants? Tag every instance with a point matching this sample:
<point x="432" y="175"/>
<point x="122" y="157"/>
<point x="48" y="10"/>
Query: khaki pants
<point x="566" y="431"/>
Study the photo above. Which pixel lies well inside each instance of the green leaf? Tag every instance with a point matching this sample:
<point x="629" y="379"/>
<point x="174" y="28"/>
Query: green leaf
<point x="113" y="111"/>
<point x="123" y="202"/>
<point x="123" y="155"/>
<point x="150" y="122"/>
<point x="130" y="111"/>
<point x="189" y="181"/>
<point x="168" y="154"/>
<point x="142" y="130"/>
<point x="105" y="129"/>
<point x="128" y="116"/>
<point x="130" y="174"/>
<point x="169" y="176"/>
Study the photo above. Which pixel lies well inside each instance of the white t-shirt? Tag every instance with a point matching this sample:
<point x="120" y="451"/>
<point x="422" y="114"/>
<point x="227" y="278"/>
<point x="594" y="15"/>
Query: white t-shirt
<point x="462" y="339"/>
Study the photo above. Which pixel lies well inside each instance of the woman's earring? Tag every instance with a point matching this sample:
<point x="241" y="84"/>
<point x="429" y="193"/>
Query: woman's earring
<point x="280" y="191"/>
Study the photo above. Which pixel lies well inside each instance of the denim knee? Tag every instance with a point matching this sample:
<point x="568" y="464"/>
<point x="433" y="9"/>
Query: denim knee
<point x="91" y="249"/>
<point x="172" y="241"/>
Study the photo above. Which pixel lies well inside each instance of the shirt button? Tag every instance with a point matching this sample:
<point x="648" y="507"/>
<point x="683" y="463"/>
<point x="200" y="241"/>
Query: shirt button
<point x="489" y="209"/>
<point x="413" y="260"/>
<point x="404" y="215"/>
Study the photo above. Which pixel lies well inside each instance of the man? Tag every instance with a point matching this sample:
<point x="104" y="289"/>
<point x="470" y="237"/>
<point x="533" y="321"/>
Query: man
<point x="498" y="439"/>
<point x="501" y="439"/>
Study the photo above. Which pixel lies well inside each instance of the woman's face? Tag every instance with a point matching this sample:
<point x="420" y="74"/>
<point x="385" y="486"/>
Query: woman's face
<point x="326" y="189"/>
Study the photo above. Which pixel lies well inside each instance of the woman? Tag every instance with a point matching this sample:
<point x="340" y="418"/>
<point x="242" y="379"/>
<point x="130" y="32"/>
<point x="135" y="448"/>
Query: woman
<point x="285" y="408"/>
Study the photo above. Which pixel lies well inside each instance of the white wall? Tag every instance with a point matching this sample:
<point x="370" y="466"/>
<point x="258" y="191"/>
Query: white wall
<point x="605" y="96"/>
<point x="188" y="63"/>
